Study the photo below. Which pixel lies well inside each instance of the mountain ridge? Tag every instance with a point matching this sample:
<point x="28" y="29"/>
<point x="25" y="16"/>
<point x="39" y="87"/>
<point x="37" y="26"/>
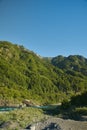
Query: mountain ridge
<point x="42" y="79"/>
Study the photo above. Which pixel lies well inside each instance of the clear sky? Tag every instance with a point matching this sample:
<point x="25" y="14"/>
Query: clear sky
<point x="48" y="27"/>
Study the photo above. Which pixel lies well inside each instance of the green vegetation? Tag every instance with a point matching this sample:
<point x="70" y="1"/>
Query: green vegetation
<point x="77" y="101"/>
<point x="21" y="118"/>
<point x="25" y="75"/>
<point x="75" y="108"/>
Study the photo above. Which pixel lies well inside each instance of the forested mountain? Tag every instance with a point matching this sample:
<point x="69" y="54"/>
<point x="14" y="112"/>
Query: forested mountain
<point x="71" y="63"/>
<point x="24" y="74"/>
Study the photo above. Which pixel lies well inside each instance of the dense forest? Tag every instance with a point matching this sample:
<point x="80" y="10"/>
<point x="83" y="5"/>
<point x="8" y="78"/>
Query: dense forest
<point x="44" y="80"/>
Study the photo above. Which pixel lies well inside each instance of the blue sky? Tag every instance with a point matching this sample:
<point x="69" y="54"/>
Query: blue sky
<point x="48" y="27"/>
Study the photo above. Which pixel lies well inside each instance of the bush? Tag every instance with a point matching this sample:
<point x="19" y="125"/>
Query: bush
<point x="66" y="104"/>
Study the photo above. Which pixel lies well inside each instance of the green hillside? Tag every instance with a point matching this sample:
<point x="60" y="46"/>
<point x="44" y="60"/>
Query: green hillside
<point x="25" y="75"/>
<point x="72" y="63"/>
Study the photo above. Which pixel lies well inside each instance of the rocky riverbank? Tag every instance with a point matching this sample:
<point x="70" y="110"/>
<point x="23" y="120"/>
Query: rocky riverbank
<point x="59" y="124"/>
<point x="36" y="119"/>
<point x="50" y="124"/>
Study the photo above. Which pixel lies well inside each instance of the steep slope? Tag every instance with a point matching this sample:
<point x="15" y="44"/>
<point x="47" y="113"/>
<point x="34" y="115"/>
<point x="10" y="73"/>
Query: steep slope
<point x="23" y="74"/>
<point x="23" y="70"/>
<point x="74" y="66"/>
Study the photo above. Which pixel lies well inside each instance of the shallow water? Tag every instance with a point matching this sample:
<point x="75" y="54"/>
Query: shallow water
<point x="7" y="108"/>
<point x="39" y="107"/>
<point x="45" y="107"/>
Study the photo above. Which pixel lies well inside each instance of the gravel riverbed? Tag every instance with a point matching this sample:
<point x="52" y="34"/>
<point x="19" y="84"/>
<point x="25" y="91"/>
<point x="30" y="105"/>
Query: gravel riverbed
<point x="59" y="124"/>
